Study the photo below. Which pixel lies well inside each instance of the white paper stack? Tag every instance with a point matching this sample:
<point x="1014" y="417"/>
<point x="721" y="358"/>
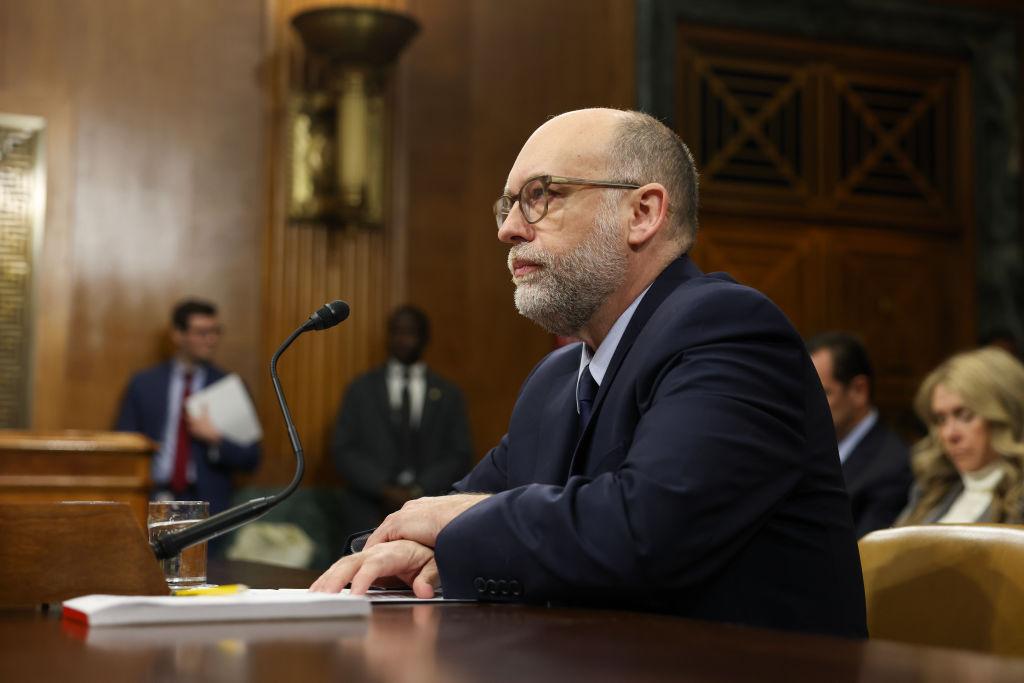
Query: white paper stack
<point x="117" y="610"/>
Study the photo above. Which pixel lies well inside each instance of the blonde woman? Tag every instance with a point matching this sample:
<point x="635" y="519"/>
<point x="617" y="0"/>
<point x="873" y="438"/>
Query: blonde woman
<point x="970" y="467"/>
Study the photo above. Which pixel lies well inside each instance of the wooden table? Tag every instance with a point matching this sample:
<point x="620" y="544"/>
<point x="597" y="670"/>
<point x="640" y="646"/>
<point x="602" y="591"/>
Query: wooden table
<point x="463" y="643"/>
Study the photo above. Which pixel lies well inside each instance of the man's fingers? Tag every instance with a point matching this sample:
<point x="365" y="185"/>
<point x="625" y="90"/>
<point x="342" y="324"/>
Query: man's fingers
<point x="398" y="558"/>
<point x="421" y="520"/>
<point x="367" y="574"/>
<point x="338" y="576"/>
<point x="427" y="580"/>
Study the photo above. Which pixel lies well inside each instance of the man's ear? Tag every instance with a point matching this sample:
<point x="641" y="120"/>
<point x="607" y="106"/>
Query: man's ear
<point x="649" y="213"/>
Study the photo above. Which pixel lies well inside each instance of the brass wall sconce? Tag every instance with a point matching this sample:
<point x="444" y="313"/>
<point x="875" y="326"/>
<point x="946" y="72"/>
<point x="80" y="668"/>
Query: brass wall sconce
<point x="339" y="125"/>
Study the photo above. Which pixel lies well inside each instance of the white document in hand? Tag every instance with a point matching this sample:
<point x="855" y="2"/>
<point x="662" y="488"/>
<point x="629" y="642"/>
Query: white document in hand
<point x="230" y="409"/>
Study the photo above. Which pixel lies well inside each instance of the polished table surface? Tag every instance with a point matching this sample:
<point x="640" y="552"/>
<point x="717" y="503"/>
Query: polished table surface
<point x="462" y="642"/>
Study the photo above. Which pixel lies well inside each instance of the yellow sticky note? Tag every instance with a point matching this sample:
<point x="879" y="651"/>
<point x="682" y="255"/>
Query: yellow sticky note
<point x="226" y="589"/>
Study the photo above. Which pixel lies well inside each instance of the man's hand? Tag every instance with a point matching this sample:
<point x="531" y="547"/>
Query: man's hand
<point x="421" y="520"/>
<point x="410" y="562"/>
<point x="202" y="427"/>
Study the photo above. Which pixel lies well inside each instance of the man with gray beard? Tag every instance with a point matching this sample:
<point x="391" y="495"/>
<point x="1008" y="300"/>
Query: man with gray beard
<point x="680" y="459"/>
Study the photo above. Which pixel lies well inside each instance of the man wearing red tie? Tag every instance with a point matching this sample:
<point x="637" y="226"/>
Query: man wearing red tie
<point x="195" y="461"/>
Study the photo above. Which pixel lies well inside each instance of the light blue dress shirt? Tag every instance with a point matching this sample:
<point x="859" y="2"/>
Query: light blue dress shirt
<point x="602" y="358"/>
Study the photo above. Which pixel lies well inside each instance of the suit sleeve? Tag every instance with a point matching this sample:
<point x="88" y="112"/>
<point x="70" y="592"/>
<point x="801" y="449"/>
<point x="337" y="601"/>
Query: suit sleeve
<point x="490" y="475"/>
<point x="362" y="472"/>
<point x="455" y="452"/>
<point x="717" y="445"/>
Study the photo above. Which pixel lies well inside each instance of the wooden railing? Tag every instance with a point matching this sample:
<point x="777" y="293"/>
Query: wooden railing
<point x="40" y="467"/>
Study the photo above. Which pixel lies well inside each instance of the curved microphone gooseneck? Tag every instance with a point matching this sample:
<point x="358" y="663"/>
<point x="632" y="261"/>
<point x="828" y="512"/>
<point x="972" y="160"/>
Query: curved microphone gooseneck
<point x="171" y="544"/>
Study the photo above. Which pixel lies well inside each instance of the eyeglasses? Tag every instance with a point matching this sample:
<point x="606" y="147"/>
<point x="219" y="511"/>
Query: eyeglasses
<point x="201" y="331"/>
<point x="534" y="195"/>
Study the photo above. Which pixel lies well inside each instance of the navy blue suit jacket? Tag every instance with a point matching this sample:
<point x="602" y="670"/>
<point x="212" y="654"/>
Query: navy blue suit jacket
<point x="144" y="409"/>
<point x="878" y="479"/>
<point x="707" y="483"/>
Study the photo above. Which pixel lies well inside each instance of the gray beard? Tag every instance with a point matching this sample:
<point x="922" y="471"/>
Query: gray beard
<point x="564" y="295"/>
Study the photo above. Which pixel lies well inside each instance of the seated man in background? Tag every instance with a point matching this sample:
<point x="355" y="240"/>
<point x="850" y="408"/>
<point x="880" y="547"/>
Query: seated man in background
<point x="681" y="459"/>
<point x="195" y="461"/>
<point x="401" y="431"/>
<point x="876" y="463"/>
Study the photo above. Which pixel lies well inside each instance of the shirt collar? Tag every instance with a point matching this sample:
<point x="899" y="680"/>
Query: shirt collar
<point x="856" y="435"/>
<point x="417" y="369"/>
<point x="602" y="357"/>
<point x="985" y="480"/>
<point x="179" y="370"/>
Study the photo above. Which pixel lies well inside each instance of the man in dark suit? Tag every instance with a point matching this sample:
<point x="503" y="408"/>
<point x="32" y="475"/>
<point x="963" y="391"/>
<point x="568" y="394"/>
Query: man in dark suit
<point x="681" y="459"/>
<point x="195" y="461"/>
<point x="402" y="431"/>
<point x="876" y="463"/>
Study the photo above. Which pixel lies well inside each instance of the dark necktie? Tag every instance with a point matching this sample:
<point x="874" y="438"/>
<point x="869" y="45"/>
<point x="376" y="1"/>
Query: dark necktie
<point x="406" y="459"/>
<point x="586" y="390"/>
<point x="406" y="414"/>
<point x="179" y="478"/>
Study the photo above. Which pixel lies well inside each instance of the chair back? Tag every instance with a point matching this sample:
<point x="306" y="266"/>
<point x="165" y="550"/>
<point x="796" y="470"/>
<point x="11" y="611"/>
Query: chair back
<point x="947" y="585"/>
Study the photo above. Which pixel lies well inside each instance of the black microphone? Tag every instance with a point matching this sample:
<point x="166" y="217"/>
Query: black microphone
<point x="171" y="544"/>
<point x="326" y="316"/>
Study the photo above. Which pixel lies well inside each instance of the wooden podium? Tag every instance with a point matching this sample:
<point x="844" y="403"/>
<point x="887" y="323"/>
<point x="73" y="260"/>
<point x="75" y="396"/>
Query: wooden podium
<point x="43" y="467"/>
<point x="50" y="552"/>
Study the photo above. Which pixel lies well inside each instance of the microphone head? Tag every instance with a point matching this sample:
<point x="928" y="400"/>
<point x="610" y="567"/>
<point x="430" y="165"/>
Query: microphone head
<point x="328" y="315"/>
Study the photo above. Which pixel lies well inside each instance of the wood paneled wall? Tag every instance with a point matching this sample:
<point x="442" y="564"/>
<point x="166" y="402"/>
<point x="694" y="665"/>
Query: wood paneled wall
<point x="477" y="83"/>
<point x="306" y="265"/>
<point x="469" y="90"/>
<point x="155" y="167"/>
<point x="165" y="179"/>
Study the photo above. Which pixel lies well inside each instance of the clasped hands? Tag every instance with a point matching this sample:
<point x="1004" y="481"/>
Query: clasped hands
<point x="401" y="548"/>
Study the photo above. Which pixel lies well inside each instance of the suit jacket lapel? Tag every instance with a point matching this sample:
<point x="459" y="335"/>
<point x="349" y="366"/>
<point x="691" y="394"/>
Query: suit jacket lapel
<point x="383" y="403"/>
<point x="676" y="273"/>
<point x="557" y="431"/>
<point x="860" y="459"/>
<point x="428" y="414"/>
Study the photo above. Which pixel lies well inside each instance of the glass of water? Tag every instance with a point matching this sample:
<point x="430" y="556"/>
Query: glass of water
<point x="187" y="569"/>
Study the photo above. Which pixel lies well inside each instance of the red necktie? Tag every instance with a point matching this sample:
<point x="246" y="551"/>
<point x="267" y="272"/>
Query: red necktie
<point x="179" y="480"/>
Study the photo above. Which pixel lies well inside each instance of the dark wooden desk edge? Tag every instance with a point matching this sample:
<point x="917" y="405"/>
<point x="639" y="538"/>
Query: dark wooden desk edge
<point x="257" y="575"/>
<point x="476" y="642"/>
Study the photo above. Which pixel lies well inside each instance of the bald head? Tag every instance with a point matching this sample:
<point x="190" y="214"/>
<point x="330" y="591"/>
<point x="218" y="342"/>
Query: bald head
<point x="622" y="146"/>
<point x="573" y="144"/>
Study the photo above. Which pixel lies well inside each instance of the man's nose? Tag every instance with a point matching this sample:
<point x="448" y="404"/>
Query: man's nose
<point x="515" y="228"/>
